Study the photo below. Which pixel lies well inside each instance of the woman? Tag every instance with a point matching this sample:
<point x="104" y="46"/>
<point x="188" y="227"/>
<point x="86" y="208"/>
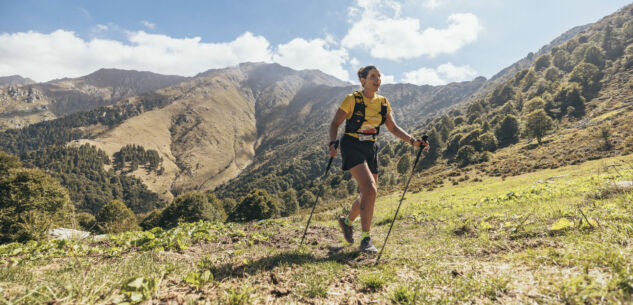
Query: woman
<point x="364" y="111"/>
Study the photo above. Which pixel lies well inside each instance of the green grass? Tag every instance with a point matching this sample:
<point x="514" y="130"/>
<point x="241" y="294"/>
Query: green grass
<point x="553" y="236"/>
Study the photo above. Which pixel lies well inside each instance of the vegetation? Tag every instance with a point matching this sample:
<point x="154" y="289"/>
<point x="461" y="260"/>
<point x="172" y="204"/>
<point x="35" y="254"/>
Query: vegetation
<point x="115" y="217"/>
<point x="192" y="207"/>
<point x="488" y="243"/>
<point x="31" y="203"/>
<point x="538" y="124"/>
<point x="81" y="169"/>
<point x="256" y="205"/>
<point x="130" y="157"/>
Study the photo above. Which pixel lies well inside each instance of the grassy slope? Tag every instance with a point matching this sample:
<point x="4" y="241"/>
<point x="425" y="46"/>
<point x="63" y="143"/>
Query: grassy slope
<point x="480" y="242"/>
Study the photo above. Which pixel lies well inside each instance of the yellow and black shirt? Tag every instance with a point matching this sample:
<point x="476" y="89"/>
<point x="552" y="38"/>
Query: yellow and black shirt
<point x="372" y="111"/>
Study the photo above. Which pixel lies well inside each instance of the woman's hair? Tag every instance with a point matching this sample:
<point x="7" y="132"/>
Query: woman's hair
<point x="362" y="72"/>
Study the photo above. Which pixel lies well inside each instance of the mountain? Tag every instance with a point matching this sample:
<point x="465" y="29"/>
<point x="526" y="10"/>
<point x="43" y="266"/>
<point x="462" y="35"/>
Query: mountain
<point x="24" y="105"/>
<point x="14" y="80"/>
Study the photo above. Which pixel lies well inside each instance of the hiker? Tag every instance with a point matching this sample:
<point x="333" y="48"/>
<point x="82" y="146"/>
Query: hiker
<point x="364" y="111"/>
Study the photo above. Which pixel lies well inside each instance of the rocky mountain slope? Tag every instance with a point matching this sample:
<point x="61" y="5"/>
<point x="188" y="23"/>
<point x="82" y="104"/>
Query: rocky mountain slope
<point x="21" y="106"/>
<point x="14" y="80"/>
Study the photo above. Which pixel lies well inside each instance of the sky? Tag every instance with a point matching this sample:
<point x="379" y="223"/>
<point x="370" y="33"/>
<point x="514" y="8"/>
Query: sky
<point x="430" y="42"/>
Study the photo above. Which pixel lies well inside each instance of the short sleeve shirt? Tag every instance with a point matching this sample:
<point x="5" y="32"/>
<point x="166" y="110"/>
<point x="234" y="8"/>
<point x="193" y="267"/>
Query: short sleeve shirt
<point x="372" y="110"/>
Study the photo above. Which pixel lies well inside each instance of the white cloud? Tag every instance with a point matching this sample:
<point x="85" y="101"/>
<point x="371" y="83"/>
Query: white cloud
<point x="443" y="74"/>
<point x="148" y="24"/>
<point x="354" y="62"/>
<point x="312" y="54"/>
<point x="394" y="37"/>
<point x="63" y="54"/>
<point x="43" y="57"/>
<point x="102" y="27"/>
<point x="432" y="4"/>
<point x="387" y="79"/>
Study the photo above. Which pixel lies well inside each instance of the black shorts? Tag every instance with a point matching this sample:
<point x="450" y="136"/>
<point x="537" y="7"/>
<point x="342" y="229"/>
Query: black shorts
<point x="355" y="152"/>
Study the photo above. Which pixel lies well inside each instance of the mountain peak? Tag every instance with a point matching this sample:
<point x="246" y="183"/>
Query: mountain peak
<point x="15" y="80"/>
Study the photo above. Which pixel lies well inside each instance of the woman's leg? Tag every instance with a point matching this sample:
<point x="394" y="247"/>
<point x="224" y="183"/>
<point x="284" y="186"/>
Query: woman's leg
<point x="368" y="189"/>
<point x="356" y="205"/>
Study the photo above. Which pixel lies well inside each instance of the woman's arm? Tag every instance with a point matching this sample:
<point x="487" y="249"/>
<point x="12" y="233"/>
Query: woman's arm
<point x="401" y="134"/>
<point x="339" y="117"/>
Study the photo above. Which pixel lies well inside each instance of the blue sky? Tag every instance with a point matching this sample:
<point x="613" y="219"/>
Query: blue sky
<point x="416" y="41"/>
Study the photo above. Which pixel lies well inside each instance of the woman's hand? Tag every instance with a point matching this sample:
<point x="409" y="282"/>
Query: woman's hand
<point x="332" y="148"/>
<point x="418" y="143"/>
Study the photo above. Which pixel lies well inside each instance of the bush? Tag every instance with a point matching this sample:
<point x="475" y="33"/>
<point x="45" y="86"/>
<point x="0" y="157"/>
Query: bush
<point x="588" y="76"/>
<point x="542" y="62"/>
<point x="31" y="203"/>
<point x="488" y="141"/>
<point x="538" y="123"/>
<point x="465" y="155"/>
<point x="151" y="220"/>
<point x="534" y="104"/>
<point x="7" y="162"/>
<point x="507" y="132"/>
<point x="552" y="74"/>
<point x="290" y="204"/>
<point x="569" y="97"/>
<point x="86" y="222"/>
<point x="403" y="165"/>
<point x="116" y="217"/>
<point x="306" y="198"/>
<point x="192" y="207"/>
<point x="256" y="205"/>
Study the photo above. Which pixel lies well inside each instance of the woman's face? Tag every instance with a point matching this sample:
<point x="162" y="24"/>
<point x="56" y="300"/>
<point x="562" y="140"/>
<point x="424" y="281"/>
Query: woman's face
<point x="372" y="82"/>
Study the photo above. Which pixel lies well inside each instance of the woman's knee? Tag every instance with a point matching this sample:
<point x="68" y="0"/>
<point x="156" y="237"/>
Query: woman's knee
<point x="369" y="190"/>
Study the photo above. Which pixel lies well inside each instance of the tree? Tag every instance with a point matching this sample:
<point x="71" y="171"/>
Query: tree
<point x="7" y="162"/>
<point x="538" y="123"/>
<point x="31" y="203"/>
<point x="290" y="204"/>
<point x="588" y="76"/>
<point x="116" y="217"/>
<point x="434" y="151"/>
<point x="562" y="60"/>
<point x="403" y="165"/>
<point x="256" y="205"/>
<point x="543" y="62"/>
<point x="627" y="29"/>
<point x="552" y="74"/>
<point x="570" y="100"/>
<point x="465" y="155"/>
<point x="507" y="132"/>
<point x="595" y="56"/>
<point x="488" y="141"/>
<point x="534" y="104"/>
<point x="306" y="198"/>
<point x="192" y="207"/>
<point x="501" y="94"/>
<point x="452" y="145"/>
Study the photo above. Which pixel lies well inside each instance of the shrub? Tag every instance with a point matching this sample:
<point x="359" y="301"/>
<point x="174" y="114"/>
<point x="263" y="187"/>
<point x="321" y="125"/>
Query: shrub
<point x="507" y="132"/>
<point x="552" y="74"/>
<point x="488" y="141"/>
<point x="151" y="220"/>
<point x="306" y="198"/>
<point x="86" y="221"/>
<point x="588" y="76"/>
<point x="534" y="104"/>
<point x="542" y="62"/>
<point x="403" y="165"/>
<point x="116" y="217"/>
<point x="290" y="204"/>
<point x="465" y="155"/>
<point x="31" y="203"/>
<point x="569" y="97"/>
<point x="538" y="123"/>
<point x="256" y="205"/>
<point x="192" y="207"/>
<point x="7" y="162"/>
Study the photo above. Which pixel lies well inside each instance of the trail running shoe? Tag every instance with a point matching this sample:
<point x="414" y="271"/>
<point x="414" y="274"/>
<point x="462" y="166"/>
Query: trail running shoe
<point x="348" y="231"/>
<point x="367" y="247"/>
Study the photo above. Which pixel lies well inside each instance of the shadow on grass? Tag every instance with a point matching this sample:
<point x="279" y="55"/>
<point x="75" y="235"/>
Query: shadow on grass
<point x="296" y="257"/>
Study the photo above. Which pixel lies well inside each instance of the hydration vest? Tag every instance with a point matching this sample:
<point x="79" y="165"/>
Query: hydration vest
<point x="353" y="124"/>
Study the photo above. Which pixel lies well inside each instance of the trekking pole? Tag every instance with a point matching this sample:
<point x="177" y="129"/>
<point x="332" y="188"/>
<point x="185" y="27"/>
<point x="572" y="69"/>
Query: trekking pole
<point x="315" y="202"/>
<point x="424" y="138"/>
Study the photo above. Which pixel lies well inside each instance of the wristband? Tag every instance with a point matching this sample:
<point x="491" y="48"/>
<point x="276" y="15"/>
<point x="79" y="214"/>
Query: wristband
<point x="335" y="144"/>
<point x="411" y="140"/>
